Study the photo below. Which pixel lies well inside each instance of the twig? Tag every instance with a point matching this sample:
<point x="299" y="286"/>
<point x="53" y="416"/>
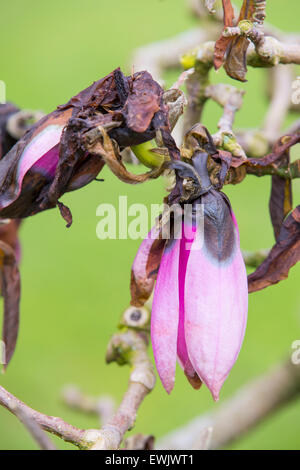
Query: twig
<point x="253" y="403"/>
<point x="51" y="424"/>
<point x="280" y="102"/>
<point x="159" y="56"/>
<point x="127" y="347"/>
<point x="231" y="100"/>
<point x="32" y="426"/>
<point x="102" y="406"/>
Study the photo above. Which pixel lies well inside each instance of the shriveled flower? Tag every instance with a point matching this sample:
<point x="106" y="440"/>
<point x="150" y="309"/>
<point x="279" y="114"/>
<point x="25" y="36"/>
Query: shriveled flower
<point x="200" y="302"/>
<point x="55" y="155"/>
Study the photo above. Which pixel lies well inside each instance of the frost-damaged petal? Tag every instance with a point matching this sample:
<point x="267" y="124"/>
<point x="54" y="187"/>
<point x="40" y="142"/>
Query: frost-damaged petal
<point x="165" y="315"/>
<point x="10" y="290"/>
<point x="216" y="296"/>
<point x="144" y="268"/>
<point x="188" y="233"/>
<point x="284" y="254"/>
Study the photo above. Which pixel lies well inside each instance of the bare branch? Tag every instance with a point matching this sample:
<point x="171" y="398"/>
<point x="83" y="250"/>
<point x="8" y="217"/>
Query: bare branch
<point x="280" y="102"/>
<point x="32" y="426"/>
<point x="129" y="347"/>
<point x="159" y="56"/>
<point x="51" y="424"/>
<point x="102" y="406"/>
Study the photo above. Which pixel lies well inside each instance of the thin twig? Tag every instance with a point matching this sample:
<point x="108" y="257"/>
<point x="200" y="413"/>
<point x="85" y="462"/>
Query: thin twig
<point x="51" y="424"/>
<point x="130" y="347"/>
<point x="280" y="102"/>
<point x="32" y="426"/>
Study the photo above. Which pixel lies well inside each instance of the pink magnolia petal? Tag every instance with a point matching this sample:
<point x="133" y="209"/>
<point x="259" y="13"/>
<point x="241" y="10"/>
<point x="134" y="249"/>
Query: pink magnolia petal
<point x="165" y="315"/>
<point x="37" y="148"/>
<point x="216" y="303"/>
<point x="188" y="233"/>
<point x="47" y="164"/>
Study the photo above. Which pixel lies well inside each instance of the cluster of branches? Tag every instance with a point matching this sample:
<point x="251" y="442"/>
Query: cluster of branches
<point x="256" y="152"/>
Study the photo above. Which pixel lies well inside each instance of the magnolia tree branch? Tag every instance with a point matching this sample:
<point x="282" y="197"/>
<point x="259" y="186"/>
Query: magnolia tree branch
<point x="50" y="424"/>
<point x="162" y="55"/>
<point x="32" y="426"/>
<point x="129" y="346"/>
<point x="280" y="102"/>
<point x="250" y="405"/>
<point x="103" y="407"/>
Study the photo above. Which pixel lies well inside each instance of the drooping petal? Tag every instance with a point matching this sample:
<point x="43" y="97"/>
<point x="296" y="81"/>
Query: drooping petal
<point x="145" y="267"/>
<point x="188" y="233"/>
<point x="165" y="315"/>
<point x="216" y="296"/>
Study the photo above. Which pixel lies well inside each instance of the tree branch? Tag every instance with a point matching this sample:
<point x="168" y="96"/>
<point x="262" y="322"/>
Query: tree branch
<point x="51" y="424"/>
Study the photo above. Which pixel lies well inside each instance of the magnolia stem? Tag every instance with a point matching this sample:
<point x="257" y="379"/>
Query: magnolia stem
<point x="127" y="347"/>
<point x="51" y="424"/>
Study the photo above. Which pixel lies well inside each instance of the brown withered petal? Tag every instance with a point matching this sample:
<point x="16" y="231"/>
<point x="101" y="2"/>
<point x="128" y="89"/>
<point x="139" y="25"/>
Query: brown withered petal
<point x="270" y="161"/>
<point x="109" y="152"/>
<point x="233" y="50"/>
<point x="52" y="159"/>
<point x="145" y="267"/>
<point x="281" y="201"/>
<point x="10" y="289"/>
<point x="223" y="42"/>
<point x="284" y="254"/>
<point x="236" y="59"/>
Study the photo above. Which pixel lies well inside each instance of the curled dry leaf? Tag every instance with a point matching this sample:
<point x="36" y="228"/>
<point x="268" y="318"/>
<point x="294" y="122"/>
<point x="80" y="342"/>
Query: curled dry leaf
<point x="52" y="159"/>
<point x="281" y="201"/>
<point x="10" y="285"/>
<point x="232" y="50"/>
<point x="110" y="154"/>
<point x="284" y="254"/>
<point x="145" y="267"/>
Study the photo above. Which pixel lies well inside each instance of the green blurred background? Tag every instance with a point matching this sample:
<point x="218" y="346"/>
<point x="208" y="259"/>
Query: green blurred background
<point x="74" y="286"/>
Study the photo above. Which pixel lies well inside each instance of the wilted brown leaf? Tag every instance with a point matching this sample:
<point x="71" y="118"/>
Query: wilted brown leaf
<point x="223" y="42"/>
<point x="232" y="50"/>
<point x="109" y="152"/>
<point x="10" y="290"/>
<point x="280" y="203"/>
<point x="145" y="268"/>
<point x="284" y="254"/>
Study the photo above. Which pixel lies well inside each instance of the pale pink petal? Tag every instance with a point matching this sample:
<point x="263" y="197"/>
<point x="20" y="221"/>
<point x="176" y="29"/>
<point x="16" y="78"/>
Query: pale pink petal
<point x="165" y="315"/>
<point x="216" y="303"/>
<point x="40" y="145"/>
<point x="188" y="233"/>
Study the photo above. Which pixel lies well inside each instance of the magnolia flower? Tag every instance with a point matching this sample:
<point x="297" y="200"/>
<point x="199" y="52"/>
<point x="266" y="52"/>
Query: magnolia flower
<point x="56" y="155"/>
<point x="200" y="302"/>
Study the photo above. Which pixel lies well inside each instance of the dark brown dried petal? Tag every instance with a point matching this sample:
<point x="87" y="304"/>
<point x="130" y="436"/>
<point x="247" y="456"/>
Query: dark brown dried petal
<point x="10" y="289"/>
<point x="52" y="157"/>
<point x="284" y="254"/>
<point x="280" y="203"/>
